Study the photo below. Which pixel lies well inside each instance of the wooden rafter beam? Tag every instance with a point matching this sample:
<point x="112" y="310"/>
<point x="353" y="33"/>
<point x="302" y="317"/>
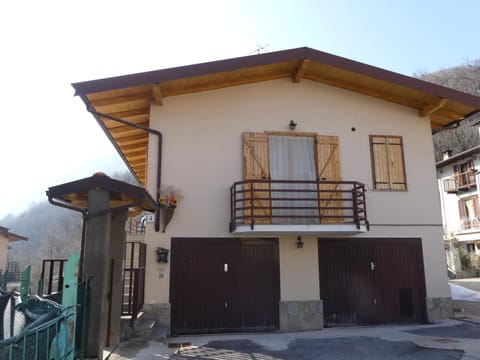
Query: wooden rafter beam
<point x="301" y="70"/>
<point x="157" y="95"/>
<point x="431" y="108"/>
<point x="364" y="90"/>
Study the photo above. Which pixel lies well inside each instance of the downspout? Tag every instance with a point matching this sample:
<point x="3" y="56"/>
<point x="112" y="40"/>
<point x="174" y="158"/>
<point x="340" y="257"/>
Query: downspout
<point x="159" y="161"/>
<point x="84" y="223"/>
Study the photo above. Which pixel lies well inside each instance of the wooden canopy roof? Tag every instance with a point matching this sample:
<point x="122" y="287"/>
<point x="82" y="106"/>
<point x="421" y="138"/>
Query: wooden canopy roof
<point x="74" y="195"/>
<point x="129" y="97"/>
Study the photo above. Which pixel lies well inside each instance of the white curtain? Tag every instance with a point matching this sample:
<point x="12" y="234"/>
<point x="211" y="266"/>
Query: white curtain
<point x="292" y="158"/>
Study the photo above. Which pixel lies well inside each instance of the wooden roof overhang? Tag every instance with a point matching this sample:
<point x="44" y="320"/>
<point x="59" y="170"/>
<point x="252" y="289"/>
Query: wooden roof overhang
<point x="129" y="97"/>
<point x="11" y="236"/>
<point x="74" y="195"/>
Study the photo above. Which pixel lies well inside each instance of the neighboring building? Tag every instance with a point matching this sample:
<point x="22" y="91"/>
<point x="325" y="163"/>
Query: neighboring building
<point x="6" y="237"/>
<point x="458" y="184"/>
<point x="280" y="157"/>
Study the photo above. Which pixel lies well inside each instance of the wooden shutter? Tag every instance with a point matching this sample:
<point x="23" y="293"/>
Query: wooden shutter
<point x="474" y="220"/>
<point x="387" y="162"/>
<point x="395" y="163"/>
<point x="328" y="168"/>
<point x="256" y="167"/>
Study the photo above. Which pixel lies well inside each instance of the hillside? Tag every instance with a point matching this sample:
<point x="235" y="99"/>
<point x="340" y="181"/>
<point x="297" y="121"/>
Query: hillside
<point x="465" y="78"/>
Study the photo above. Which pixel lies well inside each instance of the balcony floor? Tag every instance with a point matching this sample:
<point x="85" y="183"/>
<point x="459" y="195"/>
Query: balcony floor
<point x="319" y="230"/>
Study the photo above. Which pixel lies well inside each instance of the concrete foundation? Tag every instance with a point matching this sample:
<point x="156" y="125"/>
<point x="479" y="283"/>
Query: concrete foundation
<point x="160" y="313"/>
<point x="439" y="308"/>
<point x="301" y="315"/>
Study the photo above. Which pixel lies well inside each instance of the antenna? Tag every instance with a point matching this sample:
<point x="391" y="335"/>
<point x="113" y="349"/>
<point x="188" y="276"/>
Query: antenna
<point x="260" y="48"/>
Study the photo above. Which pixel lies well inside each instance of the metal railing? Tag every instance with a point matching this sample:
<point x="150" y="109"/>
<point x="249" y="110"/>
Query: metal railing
<point x="135" y="227"/>
<point x="134" y="278"/>
<point x="287" y="202"/>
<point x="469" y="223"/>
<point x="460" y="181"/>
<point x="51" y="278"/>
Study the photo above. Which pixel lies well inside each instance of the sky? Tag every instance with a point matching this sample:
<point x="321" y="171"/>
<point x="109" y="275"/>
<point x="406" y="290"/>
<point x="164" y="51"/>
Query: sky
<point x="48" y="138"/>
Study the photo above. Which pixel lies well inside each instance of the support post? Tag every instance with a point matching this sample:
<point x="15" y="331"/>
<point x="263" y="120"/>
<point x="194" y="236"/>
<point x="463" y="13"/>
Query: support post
<point x="117" y="250"/>
<point x="96" y="266"/>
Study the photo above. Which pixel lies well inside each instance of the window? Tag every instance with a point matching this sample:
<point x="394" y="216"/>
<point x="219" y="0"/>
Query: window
<point x="468" y="211"/>
<point x="464" y="174"/>
<point x="470" y="248"/>
<point x="281" y="156"/>
<point x="388" y="165"/>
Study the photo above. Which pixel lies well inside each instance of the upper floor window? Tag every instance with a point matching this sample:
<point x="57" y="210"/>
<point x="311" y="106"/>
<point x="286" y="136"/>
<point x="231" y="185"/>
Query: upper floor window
<point x="388" y="164"/>
<point x="468" y="211"/>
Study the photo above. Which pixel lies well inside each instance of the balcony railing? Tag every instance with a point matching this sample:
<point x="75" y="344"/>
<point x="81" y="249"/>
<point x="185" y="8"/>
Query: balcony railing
<point x="293" y="202"/>
<point x="469" y="223"/>
<point x="460" y="181"/>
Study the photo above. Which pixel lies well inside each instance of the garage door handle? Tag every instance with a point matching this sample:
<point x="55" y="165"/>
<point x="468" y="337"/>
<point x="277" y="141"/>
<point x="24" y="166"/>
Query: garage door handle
<point x="226" y="305"/>
<point x="372" y="265"/>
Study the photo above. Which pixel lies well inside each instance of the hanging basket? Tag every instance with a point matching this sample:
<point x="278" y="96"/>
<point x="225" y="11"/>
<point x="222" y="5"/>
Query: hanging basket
<point x="166" y="215"/>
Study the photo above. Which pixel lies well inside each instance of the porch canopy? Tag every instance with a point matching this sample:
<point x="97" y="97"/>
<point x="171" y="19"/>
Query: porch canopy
<point x="74" y="195"/>
<point x="129" y="97"/>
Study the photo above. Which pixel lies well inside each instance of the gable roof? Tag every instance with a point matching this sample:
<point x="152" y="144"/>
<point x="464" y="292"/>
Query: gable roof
<point x="11" y="236"/>
<point x="122" y="195"/>
<point x="128" y="97"/>
<point x="457" y="157"/>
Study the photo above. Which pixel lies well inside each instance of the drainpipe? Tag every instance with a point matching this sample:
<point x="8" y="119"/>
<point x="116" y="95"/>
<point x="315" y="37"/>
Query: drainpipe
<point x="159" y="161"/>
<point x="84" y="223"/>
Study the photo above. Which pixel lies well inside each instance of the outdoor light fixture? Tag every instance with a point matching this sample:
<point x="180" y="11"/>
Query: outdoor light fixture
<point x="299" y="242"/>
<point x="292" y="125"/>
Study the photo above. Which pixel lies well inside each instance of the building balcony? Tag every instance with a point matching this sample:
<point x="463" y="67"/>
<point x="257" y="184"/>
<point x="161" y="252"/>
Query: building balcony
<point x="460" y="182"/>
<point x="469" y="224"/>
<point x="270" y="207"/>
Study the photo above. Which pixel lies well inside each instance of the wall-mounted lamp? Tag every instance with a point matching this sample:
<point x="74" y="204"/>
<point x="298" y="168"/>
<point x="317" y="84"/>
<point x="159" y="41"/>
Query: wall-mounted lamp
<point x="292" y="125"/>
<point x="299" y="242"/>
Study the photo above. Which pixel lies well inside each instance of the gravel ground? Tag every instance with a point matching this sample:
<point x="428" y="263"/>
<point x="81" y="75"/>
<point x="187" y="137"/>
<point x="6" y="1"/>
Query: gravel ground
<point x="347" y="348"/>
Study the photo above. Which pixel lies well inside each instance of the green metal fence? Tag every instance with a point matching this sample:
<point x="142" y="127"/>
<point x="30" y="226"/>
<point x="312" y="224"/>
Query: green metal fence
<point x="53" y="331"/>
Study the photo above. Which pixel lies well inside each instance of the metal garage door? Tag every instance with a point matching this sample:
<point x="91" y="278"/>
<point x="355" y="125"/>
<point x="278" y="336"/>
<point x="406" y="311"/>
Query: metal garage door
<point x="221" y="285"/>
<point x="371" y="281"/>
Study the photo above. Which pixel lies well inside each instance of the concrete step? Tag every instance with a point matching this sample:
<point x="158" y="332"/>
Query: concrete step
<point x="143" y="328"/>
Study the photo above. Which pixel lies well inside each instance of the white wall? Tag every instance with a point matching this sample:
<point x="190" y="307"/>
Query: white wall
<point x="202" y="155"/>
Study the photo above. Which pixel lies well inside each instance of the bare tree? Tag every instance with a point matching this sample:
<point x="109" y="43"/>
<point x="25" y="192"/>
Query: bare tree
<point x="464" y="78"/>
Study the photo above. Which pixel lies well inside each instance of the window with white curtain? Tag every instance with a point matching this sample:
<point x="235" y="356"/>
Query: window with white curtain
<point x="293" y="158"/>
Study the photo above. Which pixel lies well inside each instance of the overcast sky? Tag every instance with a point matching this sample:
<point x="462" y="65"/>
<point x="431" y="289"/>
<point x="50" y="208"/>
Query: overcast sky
<point x="47" y="136"/>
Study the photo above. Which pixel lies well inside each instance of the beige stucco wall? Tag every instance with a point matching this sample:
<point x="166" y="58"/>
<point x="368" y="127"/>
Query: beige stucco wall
<point x="3" y="252"/>
<point x="202" y="155"/>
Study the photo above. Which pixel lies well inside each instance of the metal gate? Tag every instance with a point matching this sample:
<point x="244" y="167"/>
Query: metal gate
<point x="372" y="281"/>
<point x="224" y="285"/>
<point x="134" y="278"/>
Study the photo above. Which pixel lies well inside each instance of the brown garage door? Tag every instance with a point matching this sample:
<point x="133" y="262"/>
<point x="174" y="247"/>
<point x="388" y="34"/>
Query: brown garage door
<point x="221" y="285"/>
<point x="371" y="281"/>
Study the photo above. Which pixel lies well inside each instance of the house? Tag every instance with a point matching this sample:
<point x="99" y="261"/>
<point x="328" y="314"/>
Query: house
<point x="458" y="185"/>
<point x="6" y="237"/>
<point x="308" y="185"/>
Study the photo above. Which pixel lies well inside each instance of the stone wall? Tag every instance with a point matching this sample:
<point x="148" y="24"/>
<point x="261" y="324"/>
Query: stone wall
<point x="439" y="308"/>
<point x="160" y="313"/>
<point x="301" y="315"/>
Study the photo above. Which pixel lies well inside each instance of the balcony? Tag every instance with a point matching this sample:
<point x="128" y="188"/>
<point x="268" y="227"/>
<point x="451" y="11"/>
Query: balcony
<point x="460" y="182"/>
<point x="298" y="207"/>
<point x="469" y="224"/>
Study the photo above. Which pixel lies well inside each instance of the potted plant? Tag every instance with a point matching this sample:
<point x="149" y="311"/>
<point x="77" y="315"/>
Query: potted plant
<point x="168" y="202"/>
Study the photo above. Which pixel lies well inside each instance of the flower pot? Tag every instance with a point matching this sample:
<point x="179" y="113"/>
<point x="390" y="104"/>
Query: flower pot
<point x="166" y="215"/>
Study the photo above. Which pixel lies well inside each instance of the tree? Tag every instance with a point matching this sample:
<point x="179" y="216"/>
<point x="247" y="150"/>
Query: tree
<point x="464" y="78"/>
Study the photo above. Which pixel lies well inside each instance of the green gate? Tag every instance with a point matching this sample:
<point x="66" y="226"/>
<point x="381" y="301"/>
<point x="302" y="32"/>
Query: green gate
<point x="52" y="331"/>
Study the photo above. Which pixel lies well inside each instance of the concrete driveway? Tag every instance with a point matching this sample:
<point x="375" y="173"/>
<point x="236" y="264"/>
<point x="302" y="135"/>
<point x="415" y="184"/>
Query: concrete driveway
<point x="469" y="283"/>
<point x="448" y="339"/>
